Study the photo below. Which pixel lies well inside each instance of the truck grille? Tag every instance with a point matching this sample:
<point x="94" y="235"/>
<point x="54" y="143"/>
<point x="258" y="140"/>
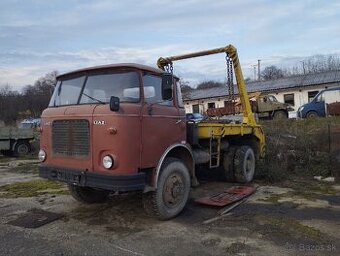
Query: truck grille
<point x="71" y="138"/>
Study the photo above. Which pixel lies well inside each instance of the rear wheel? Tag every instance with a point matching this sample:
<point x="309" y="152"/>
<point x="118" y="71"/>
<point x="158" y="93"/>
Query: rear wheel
<point x="22" y="148"/>
<point x="228" y="165"/>
<point x="280" y="114"/>
<point x="172" y="191"/>
<point x="244" y="164"/>
<point x="88" y="195"/>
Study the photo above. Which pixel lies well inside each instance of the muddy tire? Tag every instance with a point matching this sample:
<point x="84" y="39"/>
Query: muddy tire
<point x="280" y="114"/>
<point x="244" y="164"/>
<point x="312" y="114"/>
<point x="22" y="148"/>
<point x="88" y="195"/>
<point x="172" y="191"/>
<point x="228" y="173"/>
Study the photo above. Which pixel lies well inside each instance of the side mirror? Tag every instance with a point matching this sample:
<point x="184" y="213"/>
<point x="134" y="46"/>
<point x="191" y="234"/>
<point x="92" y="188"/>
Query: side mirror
<point x="114" y="103"/>
<point x="167" y="85"/>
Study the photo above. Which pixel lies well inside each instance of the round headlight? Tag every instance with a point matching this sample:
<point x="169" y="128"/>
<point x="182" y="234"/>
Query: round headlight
<point x="42" y="155"/>
<point x="107" y="162"/>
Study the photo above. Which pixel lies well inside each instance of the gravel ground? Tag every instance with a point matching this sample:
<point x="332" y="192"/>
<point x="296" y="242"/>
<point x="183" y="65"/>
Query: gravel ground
<point x="280" y="219"/>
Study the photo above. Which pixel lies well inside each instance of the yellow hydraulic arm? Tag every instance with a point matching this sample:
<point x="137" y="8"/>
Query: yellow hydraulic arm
<point x="248" y="117"/>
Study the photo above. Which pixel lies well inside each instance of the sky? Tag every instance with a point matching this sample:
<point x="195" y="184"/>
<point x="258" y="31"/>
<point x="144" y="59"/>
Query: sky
<point x="39" y="36"/>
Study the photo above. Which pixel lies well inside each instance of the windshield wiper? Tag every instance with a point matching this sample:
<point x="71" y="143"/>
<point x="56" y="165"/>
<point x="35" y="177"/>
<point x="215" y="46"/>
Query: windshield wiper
<point x="99" y="101"/>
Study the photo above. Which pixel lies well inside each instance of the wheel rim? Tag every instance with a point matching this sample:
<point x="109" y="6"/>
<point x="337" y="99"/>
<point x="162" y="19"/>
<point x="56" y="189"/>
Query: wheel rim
<point x="173" y="192"/>
<point x="22" y="149"/>
<point x="249" y="164"/>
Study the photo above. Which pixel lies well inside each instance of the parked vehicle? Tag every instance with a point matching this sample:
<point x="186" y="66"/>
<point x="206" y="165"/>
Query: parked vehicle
<point x="326" y="102"/>
<point x="123" y="127"/>
<point x="30" y="123"/>
<point x="265" y="106"/>
<point x="15" y="141"/>
<point x="194" y="117"/>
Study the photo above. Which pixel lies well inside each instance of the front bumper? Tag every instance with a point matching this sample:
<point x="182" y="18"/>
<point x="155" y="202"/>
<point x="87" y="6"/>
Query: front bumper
<point x="94" y="180"/>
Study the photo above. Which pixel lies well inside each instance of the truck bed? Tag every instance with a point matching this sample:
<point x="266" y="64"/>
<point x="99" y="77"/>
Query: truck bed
<point x="7" y="133"/>
<point x="214" y="130"/>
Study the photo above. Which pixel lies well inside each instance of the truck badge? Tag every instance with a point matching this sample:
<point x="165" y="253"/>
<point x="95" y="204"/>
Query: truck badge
<point x="99" y="122"/>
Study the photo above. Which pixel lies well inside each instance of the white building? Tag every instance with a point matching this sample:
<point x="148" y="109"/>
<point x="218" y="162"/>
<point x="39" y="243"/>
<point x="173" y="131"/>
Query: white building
<point x="295" y="90"/>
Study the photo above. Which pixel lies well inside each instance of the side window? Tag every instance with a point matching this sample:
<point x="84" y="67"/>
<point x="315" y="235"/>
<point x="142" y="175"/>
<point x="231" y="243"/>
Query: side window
<point x="179" y="95"/>
<point x="153" y="90"/>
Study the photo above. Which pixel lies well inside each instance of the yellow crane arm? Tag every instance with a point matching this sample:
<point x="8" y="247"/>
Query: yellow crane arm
<point x="248" y="117"/>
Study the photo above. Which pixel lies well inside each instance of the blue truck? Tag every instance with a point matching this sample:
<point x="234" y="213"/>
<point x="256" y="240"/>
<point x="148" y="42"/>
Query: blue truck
<point x="326" y="102"/>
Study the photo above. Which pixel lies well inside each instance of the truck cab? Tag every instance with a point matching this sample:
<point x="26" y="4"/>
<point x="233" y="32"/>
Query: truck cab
<point x="108" y="128"/>
<point x="322" y="102"/>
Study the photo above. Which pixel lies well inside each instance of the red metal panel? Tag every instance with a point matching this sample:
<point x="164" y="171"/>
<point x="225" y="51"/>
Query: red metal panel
<point x="229" y="196"/>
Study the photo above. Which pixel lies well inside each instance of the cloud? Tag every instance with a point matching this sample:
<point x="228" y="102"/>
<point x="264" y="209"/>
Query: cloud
<point x="40" y="36"/>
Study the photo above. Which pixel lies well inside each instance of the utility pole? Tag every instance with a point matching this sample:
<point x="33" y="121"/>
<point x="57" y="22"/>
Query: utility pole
<point x="259" y="69"/>
<point x="254" y="67"/>
<point x="303" y="67"/>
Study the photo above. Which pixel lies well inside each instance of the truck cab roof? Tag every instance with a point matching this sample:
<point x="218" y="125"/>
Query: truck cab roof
<point x="112" y="67"/>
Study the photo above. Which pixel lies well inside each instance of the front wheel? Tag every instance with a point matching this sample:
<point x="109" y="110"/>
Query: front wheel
<point x="244" y="164"/>
<point x="88" y="195"/>
<point x="172" y="191"/>
<point x="312" y="114"/>
<point x="280" y="114"/>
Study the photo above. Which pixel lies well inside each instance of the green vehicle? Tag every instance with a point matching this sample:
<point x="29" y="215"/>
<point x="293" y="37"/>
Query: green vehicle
<point x="15" y="141"/>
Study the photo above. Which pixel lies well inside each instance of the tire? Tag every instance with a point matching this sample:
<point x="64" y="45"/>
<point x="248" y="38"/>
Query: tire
<point x="312" y="114"/>
<point x="280" y="114"/>
<point x="88" y="195"/>
<point x="22" y="148"/>
<point x="244" y="164"/>
<point x="172" y="191"/>
<point x="228" y="165"/>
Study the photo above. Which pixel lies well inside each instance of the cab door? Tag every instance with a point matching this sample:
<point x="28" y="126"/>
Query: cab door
<point x="162" y="124"/>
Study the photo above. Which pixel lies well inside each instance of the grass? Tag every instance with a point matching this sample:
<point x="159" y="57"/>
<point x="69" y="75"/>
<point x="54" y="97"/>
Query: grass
<point x="31" y="189"/>
<point x="291" y="225"/>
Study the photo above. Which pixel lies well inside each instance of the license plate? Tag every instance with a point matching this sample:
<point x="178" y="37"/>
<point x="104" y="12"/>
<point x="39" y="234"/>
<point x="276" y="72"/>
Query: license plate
<point x="68" y="177"/>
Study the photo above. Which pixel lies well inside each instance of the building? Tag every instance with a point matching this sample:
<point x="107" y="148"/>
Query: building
<point x="295" y="90"/>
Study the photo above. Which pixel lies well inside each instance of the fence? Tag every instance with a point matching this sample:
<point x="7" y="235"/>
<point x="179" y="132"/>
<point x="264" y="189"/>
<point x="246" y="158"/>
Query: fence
<point x="306" y="147"/>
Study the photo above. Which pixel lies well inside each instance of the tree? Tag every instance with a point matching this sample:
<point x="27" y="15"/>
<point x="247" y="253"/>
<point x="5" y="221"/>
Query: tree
<point x="271" y="72"/>
<point x="38" y="95"/>
<point x="209" y="84"/>
<point x="185" y="87"/>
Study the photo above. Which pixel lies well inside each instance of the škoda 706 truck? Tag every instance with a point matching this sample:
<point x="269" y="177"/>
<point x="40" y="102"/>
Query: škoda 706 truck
<point x="122" y="127"/>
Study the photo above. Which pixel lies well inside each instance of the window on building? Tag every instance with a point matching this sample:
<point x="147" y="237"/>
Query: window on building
<point x="195" y="108"/>
<point x="289" y="99"/>
<point x="311" y="95"/>
<point x="211" y="105"/>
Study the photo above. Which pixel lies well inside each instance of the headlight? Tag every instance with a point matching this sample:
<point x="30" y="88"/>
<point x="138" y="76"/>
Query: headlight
<point x="107" y="162"/>
<point x="42" y="155"/>
<point x="301" y="108"/>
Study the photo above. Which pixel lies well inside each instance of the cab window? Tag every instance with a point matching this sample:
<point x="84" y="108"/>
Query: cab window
<point x="153" y="90"/>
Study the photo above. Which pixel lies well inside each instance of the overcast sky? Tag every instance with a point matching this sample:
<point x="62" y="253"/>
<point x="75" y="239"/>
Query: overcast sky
<point x="39" y="36"/>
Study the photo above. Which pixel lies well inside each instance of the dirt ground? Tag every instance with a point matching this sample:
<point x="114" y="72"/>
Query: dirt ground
<point x="294" y="217"/>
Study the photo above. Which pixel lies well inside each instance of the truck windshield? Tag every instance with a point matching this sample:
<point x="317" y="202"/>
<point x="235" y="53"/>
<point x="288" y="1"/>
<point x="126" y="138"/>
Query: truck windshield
<point x="97" y="89"/>
<point x="272" y="98"/>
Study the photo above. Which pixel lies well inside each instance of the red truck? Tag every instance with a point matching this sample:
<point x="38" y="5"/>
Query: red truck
<point x="122" y="127"/>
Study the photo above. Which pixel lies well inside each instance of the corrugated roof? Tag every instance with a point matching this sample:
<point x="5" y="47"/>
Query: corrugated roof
<point x="270" y="85"/>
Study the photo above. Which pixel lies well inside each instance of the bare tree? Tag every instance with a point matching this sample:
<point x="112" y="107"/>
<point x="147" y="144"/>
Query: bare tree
<point x="209" y="84"/>
<point x="271" y="72"/>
